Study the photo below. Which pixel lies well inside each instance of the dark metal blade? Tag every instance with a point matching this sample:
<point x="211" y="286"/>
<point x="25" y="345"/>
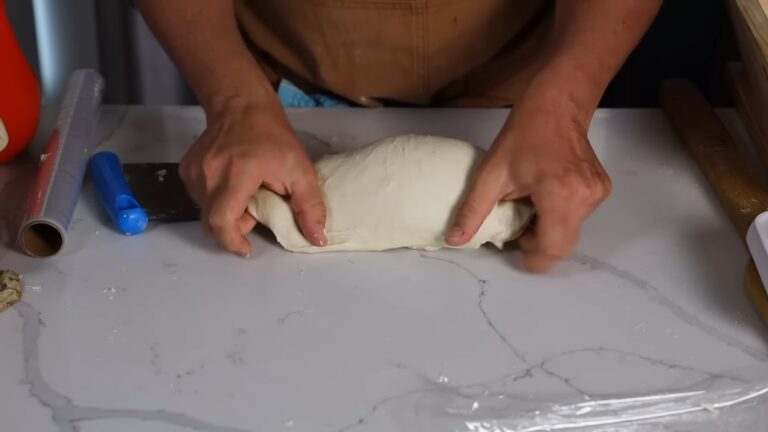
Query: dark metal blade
<point x="159" y="189"/>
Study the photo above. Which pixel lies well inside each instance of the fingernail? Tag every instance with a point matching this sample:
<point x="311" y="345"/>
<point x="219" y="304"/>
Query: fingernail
<point x="245" y="252"/>
<point x="454" y="235"/>
<point x="319" y="236"/>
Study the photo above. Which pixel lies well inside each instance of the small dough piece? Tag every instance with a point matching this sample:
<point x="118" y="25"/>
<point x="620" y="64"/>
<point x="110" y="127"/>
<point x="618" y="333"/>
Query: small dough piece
<point x="399" y="192"/>
<point x="10" y="289"/>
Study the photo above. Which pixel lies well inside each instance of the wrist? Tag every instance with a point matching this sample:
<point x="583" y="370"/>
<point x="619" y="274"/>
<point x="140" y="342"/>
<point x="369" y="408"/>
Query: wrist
<point x="235" y="106"/>
<point x="235" y="90"/>
<point x="229" y="101"/>
<point x="564" y="91"/>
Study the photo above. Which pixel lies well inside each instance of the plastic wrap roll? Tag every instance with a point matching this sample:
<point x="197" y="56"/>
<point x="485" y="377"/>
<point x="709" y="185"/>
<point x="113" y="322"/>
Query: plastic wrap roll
<point x="62" y="167"/>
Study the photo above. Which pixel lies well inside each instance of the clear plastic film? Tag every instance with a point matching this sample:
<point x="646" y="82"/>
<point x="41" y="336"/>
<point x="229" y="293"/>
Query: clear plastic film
<point x="720" y="404"/>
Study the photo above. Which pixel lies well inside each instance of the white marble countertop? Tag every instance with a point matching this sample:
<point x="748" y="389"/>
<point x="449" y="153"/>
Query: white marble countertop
<point x="163" y="332"/>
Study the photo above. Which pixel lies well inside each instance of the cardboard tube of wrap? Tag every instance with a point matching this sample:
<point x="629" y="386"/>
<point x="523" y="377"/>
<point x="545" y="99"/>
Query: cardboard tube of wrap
<point x="62" y="167"/>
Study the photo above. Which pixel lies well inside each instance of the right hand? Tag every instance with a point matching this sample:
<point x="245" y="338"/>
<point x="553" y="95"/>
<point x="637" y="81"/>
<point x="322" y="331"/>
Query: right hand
<point x="246" y="146"/>
<point x="542" y="152"/>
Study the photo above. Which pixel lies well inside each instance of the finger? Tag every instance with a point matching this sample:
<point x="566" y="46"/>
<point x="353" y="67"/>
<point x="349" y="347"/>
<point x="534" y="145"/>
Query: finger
<point x="226" y="210"/>
<point x="308" y="205"/>
<point x="533" y="260"/>
<point x="204" y="211"/>
<point x="539" y="263"/>
<point x="207" y="230"/>
<point x="527" y="240"/>
<point x="555" y="235"/>
<point x="482" y="197"/>
<point x="246" y="223"/>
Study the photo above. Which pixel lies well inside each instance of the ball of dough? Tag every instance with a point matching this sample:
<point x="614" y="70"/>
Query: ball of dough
<point x="399" y="192"/>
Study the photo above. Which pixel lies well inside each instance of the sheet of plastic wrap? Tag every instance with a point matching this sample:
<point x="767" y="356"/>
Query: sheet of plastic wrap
<point x="734" y="402"/>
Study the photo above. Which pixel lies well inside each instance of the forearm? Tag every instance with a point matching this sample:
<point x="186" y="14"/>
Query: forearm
<point x="590" y="41"/>
<point x="202" y="38"/>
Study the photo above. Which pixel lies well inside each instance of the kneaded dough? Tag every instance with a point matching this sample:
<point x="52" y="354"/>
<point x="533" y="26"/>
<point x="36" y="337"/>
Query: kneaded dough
<point x="399" y="192"/>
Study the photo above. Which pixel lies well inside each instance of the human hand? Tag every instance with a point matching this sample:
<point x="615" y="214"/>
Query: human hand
<point x="246" y="146"/>
<point x="546" y="156"/>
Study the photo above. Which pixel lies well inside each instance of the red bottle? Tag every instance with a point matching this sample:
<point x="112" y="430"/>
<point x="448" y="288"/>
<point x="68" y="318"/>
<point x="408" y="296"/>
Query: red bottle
<point x="19" y="94"/>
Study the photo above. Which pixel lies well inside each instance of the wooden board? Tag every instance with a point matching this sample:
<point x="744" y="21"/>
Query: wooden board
<point x="755" y="291"/>
<point x="752" y="107"/>
<point x="764" y="5"/>
<point x="750" y="24"/>
<point x="749" y="88"/>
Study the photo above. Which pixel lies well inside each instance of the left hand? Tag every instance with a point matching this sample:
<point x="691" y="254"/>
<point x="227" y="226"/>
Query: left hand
<point x="543" y="153"/>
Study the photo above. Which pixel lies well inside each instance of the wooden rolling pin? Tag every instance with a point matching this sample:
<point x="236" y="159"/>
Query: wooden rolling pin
<point x="740" y="192"/>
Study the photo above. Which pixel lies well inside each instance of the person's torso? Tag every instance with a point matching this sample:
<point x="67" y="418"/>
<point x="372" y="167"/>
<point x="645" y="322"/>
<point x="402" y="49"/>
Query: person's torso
<point x="403" y="50"/>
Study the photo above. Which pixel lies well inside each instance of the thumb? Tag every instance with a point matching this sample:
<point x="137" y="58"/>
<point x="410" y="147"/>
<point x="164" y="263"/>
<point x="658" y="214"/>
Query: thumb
<point x="309" y="207"/>
<point x="482" y="197"/>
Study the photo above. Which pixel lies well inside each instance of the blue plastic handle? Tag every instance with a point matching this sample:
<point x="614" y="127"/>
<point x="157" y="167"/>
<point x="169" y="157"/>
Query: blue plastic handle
<point x="115" y="195"/>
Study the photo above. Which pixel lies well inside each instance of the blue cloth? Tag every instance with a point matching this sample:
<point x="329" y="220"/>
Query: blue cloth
<point x="292" y="97"/>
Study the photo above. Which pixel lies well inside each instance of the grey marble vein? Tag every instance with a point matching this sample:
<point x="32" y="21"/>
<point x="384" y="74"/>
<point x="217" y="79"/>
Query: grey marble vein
<point x="361" y="421"/>
<point x="655" y="295"/>
<point x="294" y="313"/>
<point x="65" y="414"/>
<point x="480" y="301"/>
<point x="648" y="359"/>
<point x="481" y="284"/>
<point x="236" y="356"/>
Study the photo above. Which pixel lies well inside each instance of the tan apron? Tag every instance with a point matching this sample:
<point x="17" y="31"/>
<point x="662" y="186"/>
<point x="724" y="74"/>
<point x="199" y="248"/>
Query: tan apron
<point x="422" y="52"/>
